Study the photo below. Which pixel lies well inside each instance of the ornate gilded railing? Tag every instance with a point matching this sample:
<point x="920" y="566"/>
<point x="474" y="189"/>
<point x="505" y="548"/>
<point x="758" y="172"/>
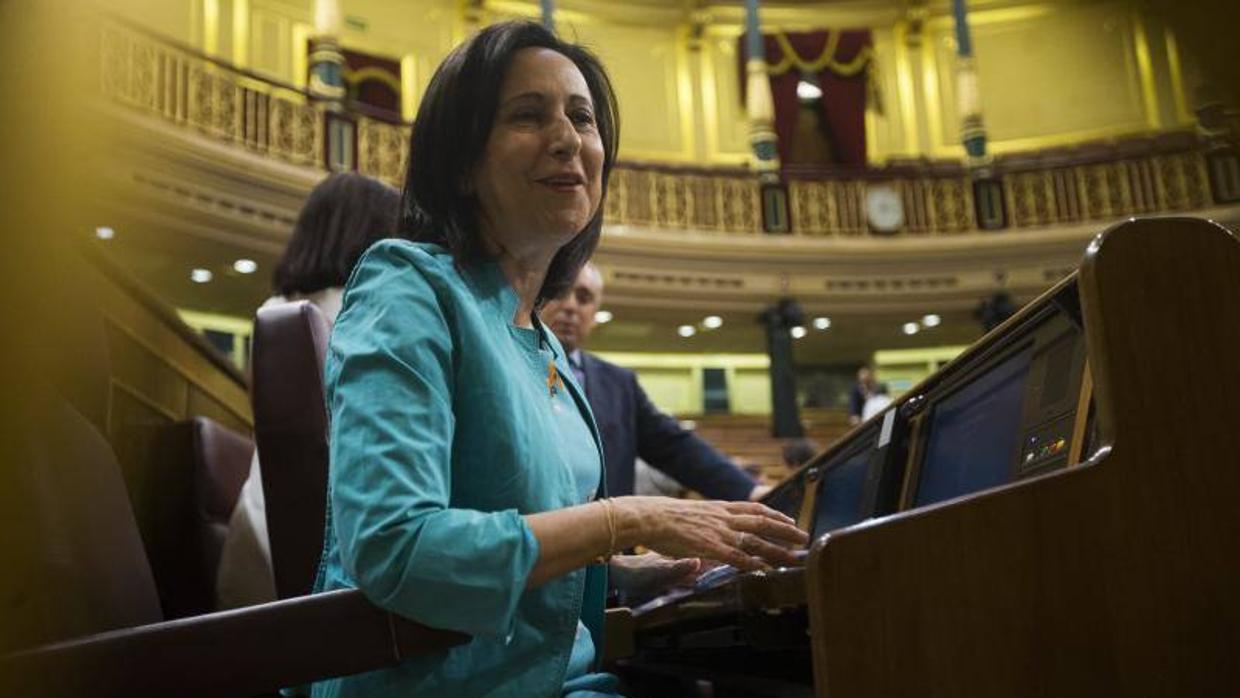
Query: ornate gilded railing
<point x="722" y="201"/>
<point x="239" y="107"/>
<point x="1112" y="186"/>
<point x="1165" y="173"/>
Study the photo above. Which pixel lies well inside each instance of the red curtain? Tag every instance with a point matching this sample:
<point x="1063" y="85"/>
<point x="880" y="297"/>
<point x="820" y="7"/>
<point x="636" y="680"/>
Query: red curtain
<point x="843" y="98"/>
<point x="375" y="92"/>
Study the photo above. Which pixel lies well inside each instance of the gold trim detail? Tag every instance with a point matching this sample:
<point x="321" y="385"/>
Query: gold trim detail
<point x="408" y="84"/>
<point x="241" y="33"/>
<point x="825" y="60"/>
<point x="1149" y="92"/>
<point x="904" y="86"/>
<point x="301" y="54"/>
<point x="211" y="27"/>
<point x="372" y="72"/>
<point x="1182" y="112"/>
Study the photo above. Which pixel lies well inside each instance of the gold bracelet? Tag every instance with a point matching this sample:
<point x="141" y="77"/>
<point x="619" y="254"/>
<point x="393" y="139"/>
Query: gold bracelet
<point x="611" y="529"/>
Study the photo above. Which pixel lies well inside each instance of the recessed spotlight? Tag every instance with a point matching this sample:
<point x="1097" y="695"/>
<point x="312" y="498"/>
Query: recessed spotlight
<point x="201" y="276"/>
<point x="603" y="316"/>
<point x="245" y="266"/>
<point x="103" y="232"/>
<point x="911" y="328"/>
<point x="799" y="332"/>
<point x="931" y="320"/>
<point x="822" y="323"/>
<point x="712" y="322"/>
<point x="686" y="330"/>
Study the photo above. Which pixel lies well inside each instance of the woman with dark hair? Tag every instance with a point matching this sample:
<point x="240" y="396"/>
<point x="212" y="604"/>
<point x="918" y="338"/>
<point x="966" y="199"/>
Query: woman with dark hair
<point x="343" y="215"/>
<point x="466" y="470"/>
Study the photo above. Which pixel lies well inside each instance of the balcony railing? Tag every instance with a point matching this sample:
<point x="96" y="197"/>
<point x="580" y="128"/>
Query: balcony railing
<point x="1093" y="182"/>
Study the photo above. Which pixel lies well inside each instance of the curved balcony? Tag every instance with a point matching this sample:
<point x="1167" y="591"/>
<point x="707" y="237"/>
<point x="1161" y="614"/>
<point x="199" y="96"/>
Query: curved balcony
<point x="223" y="155"/>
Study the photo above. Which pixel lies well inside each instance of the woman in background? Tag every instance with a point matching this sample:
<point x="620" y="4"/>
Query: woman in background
<point x="343" y="216"/>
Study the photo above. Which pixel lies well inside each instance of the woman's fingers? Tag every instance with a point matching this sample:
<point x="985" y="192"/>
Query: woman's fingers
<point x="755" y="508"/>
<point x="772" y="530"/>
<point x="756" y="546"/>
<point x="739" y="559"/>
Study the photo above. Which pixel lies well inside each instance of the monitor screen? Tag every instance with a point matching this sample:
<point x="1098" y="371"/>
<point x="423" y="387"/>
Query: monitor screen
<point x="839" y="494"/>
<point x="786" y="498"/>
<point x="974" y="433"/>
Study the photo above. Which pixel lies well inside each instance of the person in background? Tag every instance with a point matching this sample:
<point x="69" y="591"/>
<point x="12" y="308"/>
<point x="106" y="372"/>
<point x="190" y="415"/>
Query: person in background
<point x="466" y="489"/>
<point x="876" y="402"/>
<point x="861" y="391"/>
<point x="343" y="216"/>
<point x="632" y="427"/>
<point x="798" y="452"/>
<point x="648" y="481"/>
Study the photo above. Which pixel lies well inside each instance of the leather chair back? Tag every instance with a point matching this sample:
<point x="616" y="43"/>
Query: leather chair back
<point x="290" y="429"/>
<point x="190" y="497"/>
<point x="75" y="562"/>
<point x="221" y="465"/>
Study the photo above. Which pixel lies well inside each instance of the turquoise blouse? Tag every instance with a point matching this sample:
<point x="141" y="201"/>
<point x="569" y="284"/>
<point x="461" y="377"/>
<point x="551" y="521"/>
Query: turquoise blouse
<point x="444" y="433"/>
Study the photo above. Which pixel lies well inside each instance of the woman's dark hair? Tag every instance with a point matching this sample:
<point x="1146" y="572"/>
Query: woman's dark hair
<point x="450" y="135"/>
<point x="343" y="216"/>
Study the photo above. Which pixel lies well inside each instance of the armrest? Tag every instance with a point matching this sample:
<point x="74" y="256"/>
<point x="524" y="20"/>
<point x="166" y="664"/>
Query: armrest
<point x="237" y="653"/>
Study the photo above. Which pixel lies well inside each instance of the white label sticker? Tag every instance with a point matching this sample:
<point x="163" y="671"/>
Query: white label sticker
<point x="889" y="420"/>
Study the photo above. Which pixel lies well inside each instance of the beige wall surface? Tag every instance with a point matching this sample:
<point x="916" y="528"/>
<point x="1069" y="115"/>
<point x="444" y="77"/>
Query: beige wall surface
<point x="1048" y="74"/>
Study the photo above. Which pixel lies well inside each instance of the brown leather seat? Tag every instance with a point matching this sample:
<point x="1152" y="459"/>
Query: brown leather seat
<point x="83" y="568"/>
<point x="290" y="428"/>
<point x="202" y="468"/>
<point x="82" y="614"/>
<point x="221" y="465"/>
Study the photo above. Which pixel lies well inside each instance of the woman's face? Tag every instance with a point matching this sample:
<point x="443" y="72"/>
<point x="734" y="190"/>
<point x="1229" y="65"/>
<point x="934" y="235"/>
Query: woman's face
<point x="540" y="178"/>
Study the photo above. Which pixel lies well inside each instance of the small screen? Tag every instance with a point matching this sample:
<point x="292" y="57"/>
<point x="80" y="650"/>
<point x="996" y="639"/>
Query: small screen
<point x="839" y="494"/>
<point x="974" y="433"/>
<point x="787" y="498"/>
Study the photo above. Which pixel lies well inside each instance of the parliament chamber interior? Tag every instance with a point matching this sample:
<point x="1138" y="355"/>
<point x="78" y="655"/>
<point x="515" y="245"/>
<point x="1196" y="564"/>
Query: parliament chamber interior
<point x="953" y="285"/>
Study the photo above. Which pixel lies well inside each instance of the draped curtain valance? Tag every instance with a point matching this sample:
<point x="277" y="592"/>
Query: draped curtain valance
<point x="841" y="63"/>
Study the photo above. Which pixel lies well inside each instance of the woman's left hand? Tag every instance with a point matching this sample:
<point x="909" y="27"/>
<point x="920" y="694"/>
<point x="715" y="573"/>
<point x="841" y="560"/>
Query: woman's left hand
<point x="651" y="573"/>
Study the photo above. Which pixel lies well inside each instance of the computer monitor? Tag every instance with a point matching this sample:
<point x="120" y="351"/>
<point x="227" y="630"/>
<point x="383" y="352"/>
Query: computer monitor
<point x="841" y="491"/>
<point x="975" y="432"/>
<point x="787" y="496"/>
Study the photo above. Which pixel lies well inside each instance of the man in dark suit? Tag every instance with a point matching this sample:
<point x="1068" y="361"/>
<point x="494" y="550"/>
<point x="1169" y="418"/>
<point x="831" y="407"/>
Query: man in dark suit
<point x="630" y="424"/>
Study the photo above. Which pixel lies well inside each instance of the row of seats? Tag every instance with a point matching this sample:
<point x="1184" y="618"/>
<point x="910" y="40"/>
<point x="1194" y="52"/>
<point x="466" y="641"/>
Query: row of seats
<point x="86" y="599"/>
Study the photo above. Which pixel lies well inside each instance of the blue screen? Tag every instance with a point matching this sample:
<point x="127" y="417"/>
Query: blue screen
<point x="974" y="434"/>
<point x="839" y="497"/>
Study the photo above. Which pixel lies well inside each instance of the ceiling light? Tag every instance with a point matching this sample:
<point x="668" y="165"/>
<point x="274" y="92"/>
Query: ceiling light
<point x="808" y="91"/>
<point x="931" y="320"/>
<point x="822" y="323"/>
<point x="686" y="330"/>
<point x="201" y="276"/>
<point x="911" y="328"/>
<point x="603" y="316"/>
<point x="799" y="332"/>
<point x="712" y="322"/>
<point x="245" y="266"/>
<point x="103" y="232"/>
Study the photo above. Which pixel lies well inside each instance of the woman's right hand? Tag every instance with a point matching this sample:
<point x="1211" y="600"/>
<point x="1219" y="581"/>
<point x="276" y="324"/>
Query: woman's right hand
<point x="746" y="535"/>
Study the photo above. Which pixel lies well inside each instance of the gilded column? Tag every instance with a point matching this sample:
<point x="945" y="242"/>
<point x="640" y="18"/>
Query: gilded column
<point x="988" y="206"/>
<point x="759" y="106"/>
<point x="973" y="130"/>
<point x="327" y="68"/>
<point x="548" y="13"/>
<point x="326" y="60"/>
